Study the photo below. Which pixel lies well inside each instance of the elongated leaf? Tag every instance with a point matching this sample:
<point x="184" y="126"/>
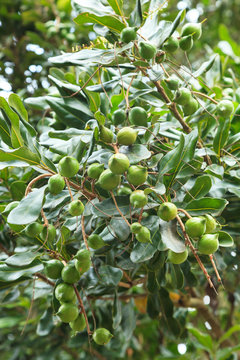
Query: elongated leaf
<point x="165" y="303"/>
<point x="170" y="28"/>
<point x="93" y="56"/>
<point x="205" y="66"/>
<point x="171" y="159"/>
<point x="117" y="311"/>
<point x="93" y="6"/>
<point x="204" y="339"/>
<point x="5" y="132"/>
<point x="28" y="209"/>
<point x="136" y="17"/>
<point x="16" y="137"/>
<point x="221" y="135"/>
<point x="206" y="205"/>
<point x="187" y="154"/>
<point x="15" y="102"/>
<point x="10" y="273"/>
<point x="106" y="20"/>
<point x="22" y="259"/>
<point x="201" y="187"/>
<point x="170" y="236"/>
<point x="45" y="323"/>
<point x="177" y="278"/>
<point x="22" y="153"/>
<point x="116" y="5"/>
<point x="233" y="329"/>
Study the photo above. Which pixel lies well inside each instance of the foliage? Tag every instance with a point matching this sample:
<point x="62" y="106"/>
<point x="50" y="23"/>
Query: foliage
<point x="134" y="281"/>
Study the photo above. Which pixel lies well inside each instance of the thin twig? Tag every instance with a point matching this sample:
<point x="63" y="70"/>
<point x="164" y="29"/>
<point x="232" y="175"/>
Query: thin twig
<point x="83" y="309"/>
<point x="29" y="187"/>
<point x="185" y="212"/>
<point x="83" y="233"/>
<point x="188" y="242"/>
<point x="120" y="212"/>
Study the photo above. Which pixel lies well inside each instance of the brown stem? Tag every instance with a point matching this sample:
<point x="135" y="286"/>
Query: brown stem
<point x="120" y="212"/>
<point x="140" y="216"/>
<point x="69" y="188"/>
<point x="185" y="212"/>
<point x="215" y="268"/>
<point x="44" y="218"/>
<point x="44" y="278"/>
<point x="82" y="308"/>
<point x="83" y="233"/>
<point x="127" y="92"/>
<point x="29" y="187"/>
<point x="205" y="96"/>
<point x="125" y="285"/>
<point x="115" y="148"/>
<point x="188" y="242"/>
<point x="172" y="107"/>
<point x="84" y="84"/>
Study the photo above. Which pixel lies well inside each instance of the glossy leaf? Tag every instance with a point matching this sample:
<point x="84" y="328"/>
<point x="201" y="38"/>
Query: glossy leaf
<point x="28" y="209"/>
<point x="206" y="205"/>
<point x="201" y="188"/>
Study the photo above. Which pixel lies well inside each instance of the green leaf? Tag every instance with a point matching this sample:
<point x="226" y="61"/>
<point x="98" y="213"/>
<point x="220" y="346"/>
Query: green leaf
<point x="117" y="6"/>
<point x="223" y="354"/>
<point x="28" y="210"/>
<point x="205" y="66"/>
<point x="170" y="28"/>
<point x="117" y="311"/>
<point x="106" y="20"/>
<point x="135" y="153"/>
<point x="15" y="102"/>
<point x="165" y="303"/>
<point x="177" y="278"/>
<point x="9" y="321"/>
<point x="11" y="273"/>
<point x="14" y="163"/>
<point x="204" y="339"/>
<point x="225" y="240"/>
<point x="17" y="189"/>
<point x="21" y="153"/>
<point x="171" y="159"/>
<point x="136" y="17"/>
<point x="107" y="207"/>
<point x="109" y="275"/>
<point x="222" y="135"/>
<point x="45" y="324"/>
<point x="229" y="332"/>
<point x="5" y="132"/>
<point x="170" y="237"/>
<point x="201" y="187"/>
<point x="206" y="205"/>
<point x="22" y="259"/>
<point x="215" y="170"/>
<point x="16" y="137"/>
<point x="142" y="252"/>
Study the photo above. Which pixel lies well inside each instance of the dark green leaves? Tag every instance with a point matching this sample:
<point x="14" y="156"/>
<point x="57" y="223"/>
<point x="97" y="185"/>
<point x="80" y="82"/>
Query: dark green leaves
<point x="206" y="205"/>
<point x="135" y="153"/>
<point x="201" y="187"/>
<point x="11" y="273"/>
<point x="29" y="208"/>
<point x="22" y="259"/>
<point x="22" y="153"/>
<point x="110" y="276"/>
<point x="171" y="159"/>
<point x="170" y="237"/>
